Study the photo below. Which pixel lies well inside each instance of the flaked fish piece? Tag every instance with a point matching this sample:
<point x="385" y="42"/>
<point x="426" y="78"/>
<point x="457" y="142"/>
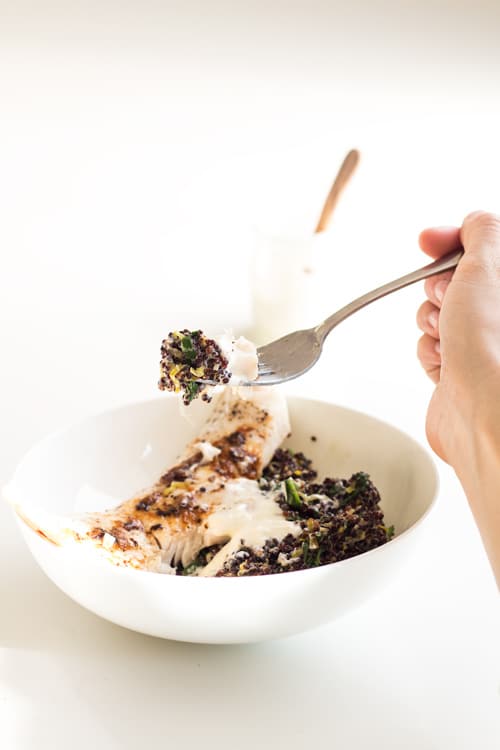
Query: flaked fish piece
<point x="209" y="497"/>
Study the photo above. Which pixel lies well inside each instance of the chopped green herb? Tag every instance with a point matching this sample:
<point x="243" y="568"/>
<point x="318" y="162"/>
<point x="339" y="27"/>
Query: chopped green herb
<point x="190" y="569"/>
<point x="311" y="552"/>
<point x="188" y="349"/>
<point x="389" y="530"/>
<point x="292" y="494"/>
<point x="358" y="484"/>
<point x="305" y="551"/>
<point x="192" y="389"/>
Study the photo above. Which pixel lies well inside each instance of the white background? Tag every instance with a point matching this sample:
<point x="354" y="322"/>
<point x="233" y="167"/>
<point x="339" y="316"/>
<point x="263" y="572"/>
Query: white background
<point x="140" y="142"/>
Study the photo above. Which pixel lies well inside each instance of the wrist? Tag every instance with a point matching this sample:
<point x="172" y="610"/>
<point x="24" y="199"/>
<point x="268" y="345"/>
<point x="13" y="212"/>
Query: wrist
<point x="471" y="415"/>
<point x="479" y="473"/>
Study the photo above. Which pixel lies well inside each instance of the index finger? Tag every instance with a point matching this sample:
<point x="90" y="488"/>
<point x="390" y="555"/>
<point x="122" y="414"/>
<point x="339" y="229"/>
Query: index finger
<point x="438" y="241"/>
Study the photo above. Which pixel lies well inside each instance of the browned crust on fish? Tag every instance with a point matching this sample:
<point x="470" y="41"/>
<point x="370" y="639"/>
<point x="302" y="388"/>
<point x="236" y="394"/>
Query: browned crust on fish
<point x="142" y="532"/>
<point x="180" y="501"/>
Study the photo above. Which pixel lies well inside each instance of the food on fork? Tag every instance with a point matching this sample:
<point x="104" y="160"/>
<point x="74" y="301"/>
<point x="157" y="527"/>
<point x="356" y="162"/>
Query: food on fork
<point x="234" y="504"/>
<point x="191" y="362"/>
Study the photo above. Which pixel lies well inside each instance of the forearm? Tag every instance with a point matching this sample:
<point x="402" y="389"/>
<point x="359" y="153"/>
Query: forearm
<point x="479" y="475"/>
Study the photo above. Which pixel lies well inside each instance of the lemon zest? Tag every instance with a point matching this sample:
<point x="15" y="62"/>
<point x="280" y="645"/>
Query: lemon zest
<point x="175" y="486"/>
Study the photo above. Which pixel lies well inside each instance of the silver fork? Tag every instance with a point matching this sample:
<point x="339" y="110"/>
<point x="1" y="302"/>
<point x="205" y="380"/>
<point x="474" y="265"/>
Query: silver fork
<point x="294" y="354"/>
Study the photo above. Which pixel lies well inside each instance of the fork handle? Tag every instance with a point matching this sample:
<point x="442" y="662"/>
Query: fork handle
<point x="446" y="263"/>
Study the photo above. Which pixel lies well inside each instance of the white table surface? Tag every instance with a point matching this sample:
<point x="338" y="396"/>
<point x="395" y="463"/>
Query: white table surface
<point x="137" y="147"/>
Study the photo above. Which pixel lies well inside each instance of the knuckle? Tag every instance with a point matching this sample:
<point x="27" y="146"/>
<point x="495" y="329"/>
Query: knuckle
<point x="481" y="240"/>
<point x="429" y="285"/>
<point x="482" y="224"/>
<point x="423" y="314"/>
<point x="426" y="351"/>
<point x="481" y="217"/>
<point x="434" y="373"/>
<point x="421" y="348"/>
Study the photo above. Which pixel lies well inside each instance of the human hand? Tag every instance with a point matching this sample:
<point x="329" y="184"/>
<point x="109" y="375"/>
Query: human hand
<point x="460" y="348"/>
<point x="460" y="351"/>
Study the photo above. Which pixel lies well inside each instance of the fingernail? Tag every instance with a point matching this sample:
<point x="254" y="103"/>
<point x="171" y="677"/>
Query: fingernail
<point x="440" y="289"/>
<point x="433" y="319"/>
<point x="437" y="347"/>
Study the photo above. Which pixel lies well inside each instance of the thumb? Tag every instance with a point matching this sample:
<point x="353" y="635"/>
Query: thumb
<point x="480" y="236"/>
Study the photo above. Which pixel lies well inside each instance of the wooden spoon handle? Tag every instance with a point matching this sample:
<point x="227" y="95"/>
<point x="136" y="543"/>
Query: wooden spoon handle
<point x="343" y="176"/>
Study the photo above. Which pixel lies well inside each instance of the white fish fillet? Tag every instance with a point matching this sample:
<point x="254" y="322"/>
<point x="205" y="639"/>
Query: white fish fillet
<point x="209" y="497"/>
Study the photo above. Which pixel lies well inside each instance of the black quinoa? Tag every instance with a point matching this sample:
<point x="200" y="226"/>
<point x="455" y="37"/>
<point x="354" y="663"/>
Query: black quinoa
<point x="339" y="518"/>
<point x="285" y="463"/>
<point x="188" y="357"/>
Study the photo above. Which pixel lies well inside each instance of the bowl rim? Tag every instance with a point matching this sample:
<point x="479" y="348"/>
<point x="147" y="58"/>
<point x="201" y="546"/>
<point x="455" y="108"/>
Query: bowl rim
<point x="224" y="580"/>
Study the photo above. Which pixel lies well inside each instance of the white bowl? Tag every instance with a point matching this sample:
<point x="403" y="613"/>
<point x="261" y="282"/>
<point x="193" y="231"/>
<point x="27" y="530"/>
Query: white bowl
<point x="122" y="451"/>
